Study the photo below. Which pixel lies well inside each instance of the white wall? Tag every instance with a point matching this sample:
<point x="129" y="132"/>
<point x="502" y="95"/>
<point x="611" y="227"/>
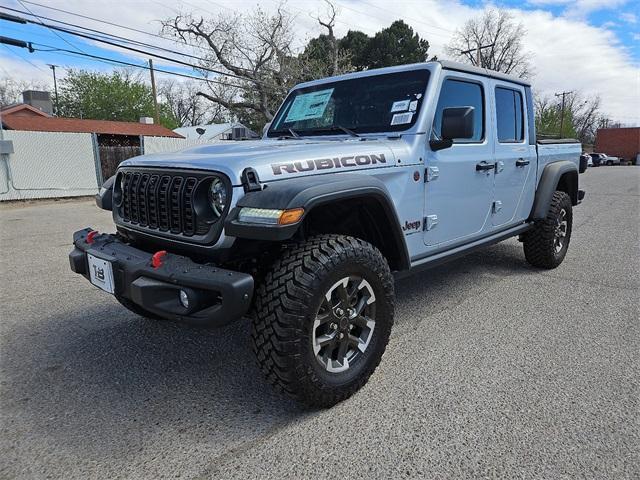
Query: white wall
<point x="48" y="165"/>
<point x="168" y="144"/>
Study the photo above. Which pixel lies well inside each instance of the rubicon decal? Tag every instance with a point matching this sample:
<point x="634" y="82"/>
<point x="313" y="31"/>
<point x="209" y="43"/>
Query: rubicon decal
<point x="327" y="163"/>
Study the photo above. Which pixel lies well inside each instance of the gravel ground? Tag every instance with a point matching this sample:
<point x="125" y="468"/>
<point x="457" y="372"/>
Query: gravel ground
<point x="493" y="370"/>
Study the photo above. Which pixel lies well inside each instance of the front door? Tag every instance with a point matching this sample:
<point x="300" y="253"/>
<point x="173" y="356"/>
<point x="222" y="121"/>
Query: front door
<point x="459" y="179"/>
<point x="515" y="157"/>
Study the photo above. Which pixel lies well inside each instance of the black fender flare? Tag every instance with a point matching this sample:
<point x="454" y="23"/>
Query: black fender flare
<point x="308" y="193"/>
<point x="104" y="198"/>
<point x="549" y="181"/>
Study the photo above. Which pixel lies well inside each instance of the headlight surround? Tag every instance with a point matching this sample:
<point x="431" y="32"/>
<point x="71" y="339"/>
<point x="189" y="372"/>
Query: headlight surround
<point x="218" y="196"/>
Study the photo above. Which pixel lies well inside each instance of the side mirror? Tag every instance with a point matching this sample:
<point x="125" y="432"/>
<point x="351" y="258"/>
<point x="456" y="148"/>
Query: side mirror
<point x="265" y="129"/>
<point x="457" y="122"/>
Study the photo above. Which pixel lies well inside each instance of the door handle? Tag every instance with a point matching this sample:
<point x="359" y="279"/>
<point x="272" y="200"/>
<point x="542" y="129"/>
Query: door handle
<point x="482" y="166"/>
<point x="521" y="162"/>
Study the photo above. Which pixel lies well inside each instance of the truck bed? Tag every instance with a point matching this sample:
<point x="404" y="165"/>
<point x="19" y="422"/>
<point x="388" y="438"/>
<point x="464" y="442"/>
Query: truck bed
<point x="557" y="149"/>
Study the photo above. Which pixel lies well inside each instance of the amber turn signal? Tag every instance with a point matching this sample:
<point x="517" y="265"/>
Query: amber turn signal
<point x="290" y="216"/>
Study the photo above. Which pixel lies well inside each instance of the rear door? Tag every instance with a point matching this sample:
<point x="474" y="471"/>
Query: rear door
<point x="515" y="157"/>
<point x="459" y="179"/>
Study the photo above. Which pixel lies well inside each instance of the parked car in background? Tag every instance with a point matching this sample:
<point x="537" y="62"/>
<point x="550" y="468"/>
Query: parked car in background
<point x="598" y="159"/>
<point x="611" y="160"/>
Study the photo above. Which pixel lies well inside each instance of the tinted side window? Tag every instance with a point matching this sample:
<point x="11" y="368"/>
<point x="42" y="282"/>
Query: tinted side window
<point x="509" y="115"/>
<point x="457" y="93"/>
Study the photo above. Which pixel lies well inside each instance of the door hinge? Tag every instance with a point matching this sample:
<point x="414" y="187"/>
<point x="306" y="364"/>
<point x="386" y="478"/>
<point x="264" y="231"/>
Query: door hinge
<point x="497" y="206"/>
<point x="430" y="221"/>
<point x="431" y="173"/>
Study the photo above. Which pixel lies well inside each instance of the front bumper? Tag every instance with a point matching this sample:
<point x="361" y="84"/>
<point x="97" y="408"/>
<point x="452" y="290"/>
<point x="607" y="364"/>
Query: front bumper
<point x="217" y="296"/>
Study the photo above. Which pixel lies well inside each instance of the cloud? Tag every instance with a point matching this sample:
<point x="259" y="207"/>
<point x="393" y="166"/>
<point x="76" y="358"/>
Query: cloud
<point x="567" y="52"/>
<point x="629" y="17"/>
<point x="579" y="8"/>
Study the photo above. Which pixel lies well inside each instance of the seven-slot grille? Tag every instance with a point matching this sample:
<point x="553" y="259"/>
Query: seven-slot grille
<point x="162" y="202"/>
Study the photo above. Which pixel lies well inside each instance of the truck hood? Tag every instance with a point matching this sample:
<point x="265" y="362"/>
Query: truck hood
<point x="280" y="159"/>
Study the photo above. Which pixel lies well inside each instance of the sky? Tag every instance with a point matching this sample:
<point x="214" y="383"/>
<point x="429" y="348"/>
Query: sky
<point x="590" y="46"/>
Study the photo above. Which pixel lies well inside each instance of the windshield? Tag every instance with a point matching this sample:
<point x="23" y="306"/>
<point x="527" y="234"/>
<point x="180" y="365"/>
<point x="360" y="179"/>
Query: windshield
<point x="379" y="103"/>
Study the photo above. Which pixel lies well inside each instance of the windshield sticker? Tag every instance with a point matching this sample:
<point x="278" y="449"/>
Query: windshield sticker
<point x="309" y="105"/>
<point x="400" y="106"/>
<point x="413" y="106"/>
<point x="402" y="118"/>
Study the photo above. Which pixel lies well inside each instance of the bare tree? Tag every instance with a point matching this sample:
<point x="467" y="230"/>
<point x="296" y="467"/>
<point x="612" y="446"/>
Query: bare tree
<point x="252" y="49"/>
<point x="253" y="52"/>
<point x="582" y="116"/>
<point x="501" y="35"/>
<point x="186" y="106"/>
<point x="334" y="49"/>
<point x="11" y="90"/>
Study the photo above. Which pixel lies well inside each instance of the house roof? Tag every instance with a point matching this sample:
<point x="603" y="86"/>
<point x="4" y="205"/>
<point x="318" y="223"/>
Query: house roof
<point x="18" y="108"/>
<point x="77" y="125"/>
<point x="212" y="130"/>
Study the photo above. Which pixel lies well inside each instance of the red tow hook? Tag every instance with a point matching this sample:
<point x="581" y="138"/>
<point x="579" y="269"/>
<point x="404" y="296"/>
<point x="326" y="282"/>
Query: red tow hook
<point x="91" y="235"/>
<point x="156" y="259"/>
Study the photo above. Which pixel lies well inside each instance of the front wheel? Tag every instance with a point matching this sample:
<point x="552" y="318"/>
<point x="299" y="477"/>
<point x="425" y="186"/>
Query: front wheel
<point x="546" y="244"/>
<point x="322" y="318"/>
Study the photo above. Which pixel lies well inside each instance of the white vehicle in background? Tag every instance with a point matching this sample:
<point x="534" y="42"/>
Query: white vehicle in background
<point x="611" y="160"/>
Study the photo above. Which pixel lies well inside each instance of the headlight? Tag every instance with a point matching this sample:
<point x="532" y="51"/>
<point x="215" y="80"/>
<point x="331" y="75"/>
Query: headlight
<point x="218" y="196"/>
<point x="267" y="216"/>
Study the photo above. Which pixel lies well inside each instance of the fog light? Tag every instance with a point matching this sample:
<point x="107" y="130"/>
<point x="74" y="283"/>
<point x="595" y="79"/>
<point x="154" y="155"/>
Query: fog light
<point x="184" y="299"/>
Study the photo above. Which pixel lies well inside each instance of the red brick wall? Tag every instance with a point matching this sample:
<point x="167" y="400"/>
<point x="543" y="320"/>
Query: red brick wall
<point x="618" y="142"/>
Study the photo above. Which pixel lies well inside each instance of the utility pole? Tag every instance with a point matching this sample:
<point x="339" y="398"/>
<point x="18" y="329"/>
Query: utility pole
<point x="562" y="94"/>
<point x="478" y="50"/>
<point x="55" y="86"/>
<point x="153" y="90"/>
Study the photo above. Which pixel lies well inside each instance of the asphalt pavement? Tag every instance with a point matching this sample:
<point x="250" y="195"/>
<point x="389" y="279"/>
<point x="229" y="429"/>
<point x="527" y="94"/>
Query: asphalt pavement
<point x="494" y="369"/>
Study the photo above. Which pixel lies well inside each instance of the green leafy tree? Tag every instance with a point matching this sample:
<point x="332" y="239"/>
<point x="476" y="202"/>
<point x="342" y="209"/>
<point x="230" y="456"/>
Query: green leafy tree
<point x="354" y="45"/>
<point x="119" y="95"/>
<point x="395" y="45"/>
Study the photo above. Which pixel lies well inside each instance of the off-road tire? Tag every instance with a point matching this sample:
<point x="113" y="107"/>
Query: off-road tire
<point x="540" y="242"/>
<point x="286" y="305"/>
<point x="137" y="309"/>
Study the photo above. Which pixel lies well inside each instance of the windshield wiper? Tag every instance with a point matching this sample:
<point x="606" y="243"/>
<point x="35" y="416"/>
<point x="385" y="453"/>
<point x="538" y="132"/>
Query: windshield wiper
<point x="293" y="133"/>
<point x="346" y="130"/>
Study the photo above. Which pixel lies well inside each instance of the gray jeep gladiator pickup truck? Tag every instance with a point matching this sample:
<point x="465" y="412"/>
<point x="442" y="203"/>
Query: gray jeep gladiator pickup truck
<point x="358" y="179"/>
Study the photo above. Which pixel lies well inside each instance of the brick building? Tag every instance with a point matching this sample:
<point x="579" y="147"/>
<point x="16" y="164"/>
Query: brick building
<point x="618" y="142"/>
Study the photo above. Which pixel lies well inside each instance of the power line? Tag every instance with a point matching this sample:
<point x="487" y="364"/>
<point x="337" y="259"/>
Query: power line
<point x="105" y="35"/>
<point x="54" y="32"/>
<point x="16" y="54"/>
<point x="63" y="51"/>
<point x="413" y="20"/>
<point x="147" y="53"/>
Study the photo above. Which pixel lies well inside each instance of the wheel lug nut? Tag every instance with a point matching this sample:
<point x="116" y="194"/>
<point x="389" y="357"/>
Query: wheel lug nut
<point x="339" y="311"/>
<point x="333" y="326"/>
<point x="341" y="336"/>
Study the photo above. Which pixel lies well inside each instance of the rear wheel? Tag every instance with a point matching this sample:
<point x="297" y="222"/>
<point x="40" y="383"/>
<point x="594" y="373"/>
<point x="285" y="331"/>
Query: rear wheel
<point x="546" y="244"/>
<point x="322" y="318"/>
